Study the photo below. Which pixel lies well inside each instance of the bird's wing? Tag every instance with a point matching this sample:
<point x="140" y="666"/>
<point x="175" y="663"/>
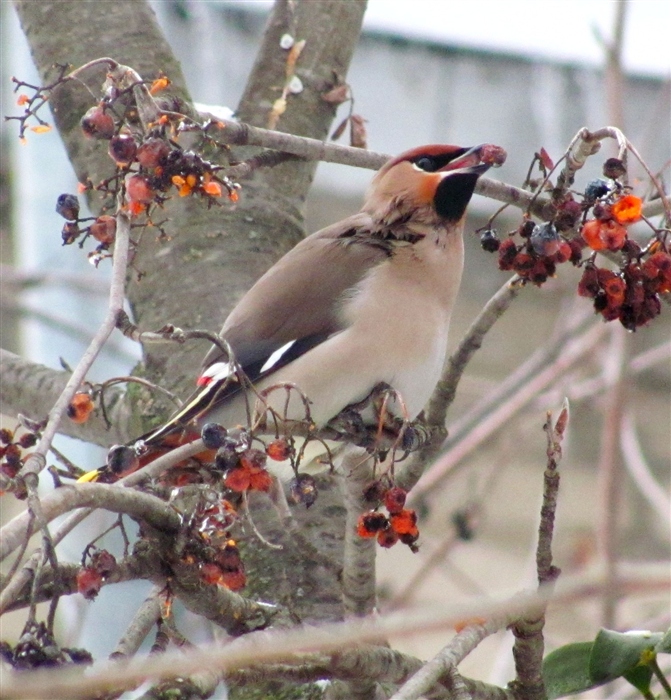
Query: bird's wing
<point x="293" y="308"/>
<point x="299" y="299"/>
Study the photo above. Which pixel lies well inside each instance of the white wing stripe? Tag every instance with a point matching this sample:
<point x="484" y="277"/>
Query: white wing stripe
<point x="276" y="356"/>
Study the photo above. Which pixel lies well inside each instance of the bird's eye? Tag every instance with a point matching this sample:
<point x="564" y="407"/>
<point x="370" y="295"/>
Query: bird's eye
<point x="427" y="164"/>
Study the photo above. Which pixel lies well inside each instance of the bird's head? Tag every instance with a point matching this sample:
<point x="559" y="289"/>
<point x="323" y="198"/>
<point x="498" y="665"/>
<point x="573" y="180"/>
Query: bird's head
<point x="429" y="185"/>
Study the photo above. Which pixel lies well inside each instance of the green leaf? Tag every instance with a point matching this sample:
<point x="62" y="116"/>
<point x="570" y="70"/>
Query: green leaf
<point x="616" y="653"/>
<point x="664" y="645"/>
<point x="566" y="670"/>
<point x="640" y="677"/>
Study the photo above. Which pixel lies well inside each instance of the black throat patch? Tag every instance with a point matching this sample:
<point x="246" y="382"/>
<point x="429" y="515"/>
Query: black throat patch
<point x="453" y="195"/>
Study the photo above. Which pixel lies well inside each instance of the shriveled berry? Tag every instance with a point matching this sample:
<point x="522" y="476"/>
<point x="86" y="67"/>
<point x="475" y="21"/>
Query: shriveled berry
<point x="253" y="458"/>
<point x="226" y="457"/>
<point x="568" y="215"/>
<point x="545" y="239"/>
<point x="596" y="189"/>
<point x="6" y="436"/>
<point x="577" y="245"/>
<point x="394" y="499"/>
<point x="374" y="492"/>
<point x="523" y="263"/>
<point x="122" y="149"/>
<point x="13" y="455"/>
<point x="303" y="490"/>
<point x="507" y="253"/>
<point x="89" y="582"/>
<point x="369" y="524"/>
<point x="103" y="562"/>
<point x="98" y="123"/>
<point x="122" y="459"/>
<point x="70" y="232"/>
<point x="526" y="228"/>
<point x="103" y="229"/>
<point x="214" y="435"/>
<point x="631" y="248"/>
<point x="67" y="205"/>
<point x="387" y="538"/>
<point x="489" y="240"/>
<point x="613" y="168"/>
<point x="28" y="440"/>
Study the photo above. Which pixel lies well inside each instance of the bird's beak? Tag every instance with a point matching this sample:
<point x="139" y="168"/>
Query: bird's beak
<point x="476" y="160"/>
<point x="90" y="476"/>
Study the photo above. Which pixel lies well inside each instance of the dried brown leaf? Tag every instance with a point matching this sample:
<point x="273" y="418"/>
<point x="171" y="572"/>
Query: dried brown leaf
<point x="358" y="136"/>
<point x="338" y="95"/>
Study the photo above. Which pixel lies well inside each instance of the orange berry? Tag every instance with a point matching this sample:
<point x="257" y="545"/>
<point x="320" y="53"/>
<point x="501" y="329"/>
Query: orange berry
<point x="158" y="85"/>
<point x="238" y="479"/>
<point x="89" y="582"/>
<point x="212" y="188"/>
<point x="260" y="480"/>
<point x="80" y="407"/>
<point x="404" y="522"/>
<point x="627" y="209"/>
<point x="591" y="233"/>
<point x="279" y="450"/>
<point x="234" y="580"/>
<point x="369" y="524"/>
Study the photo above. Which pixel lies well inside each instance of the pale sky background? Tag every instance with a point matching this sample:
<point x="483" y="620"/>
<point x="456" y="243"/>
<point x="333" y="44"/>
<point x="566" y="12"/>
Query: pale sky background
<point x="559" y="29"/>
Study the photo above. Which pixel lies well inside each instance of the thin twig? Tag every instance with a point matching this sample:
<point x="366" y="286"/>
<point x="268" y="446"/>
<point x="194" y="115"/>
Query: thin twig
<point x="447" y="659"/>
<point x="528" y="630"/>
<point x="37" y="459"/>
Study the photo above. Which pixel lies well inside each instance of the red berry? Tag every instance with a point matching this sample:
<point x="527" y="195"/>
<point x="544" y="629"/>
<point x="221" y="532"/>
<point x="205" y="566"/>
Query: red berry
<point x="103" y="229"/>
<point x="139" y="190"/>
<point x="89" y="582"/>
<point x="404" y="522"/>
<point x="152" y="153"/>
<point x="394" y="499"/>
<point x="97" y="123"/>
<point x="280" y="450"/>
<point x="122" y="149"/>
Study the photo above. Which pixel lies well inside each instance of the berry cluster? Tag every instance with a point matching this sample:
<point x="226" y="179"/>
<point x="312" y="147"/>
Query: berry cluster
<point x="630" y="293"/>
<point x="399" y="524"/>
<point x="537" y="257"/>
<point x="211" y="547"/>
<point x="101" y="564"/>
<point x="37" y="648"/>
<point x="152" y="164"/>
<point x="11" y="451"/>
